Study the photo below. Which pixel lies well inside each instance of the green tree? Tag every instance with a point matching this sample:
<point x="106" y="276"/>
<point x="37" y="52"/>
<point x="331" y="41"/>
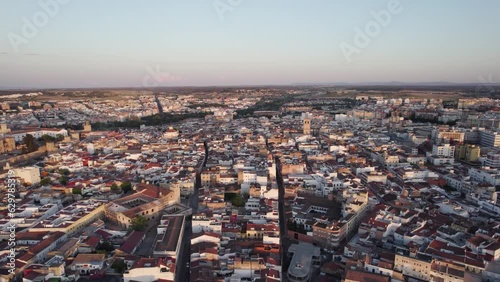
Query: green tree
<point x="238" y="200"/>
<point x="119" y="266"/>
<point x="64" y="171"/>
<point x="472" y="229"/>
<point x="114" y="186"/>
<point x="59" y="137"/>
<point x="45" y="181"/>
<point x="126" y="187"/>
<point x="47" y="138"/>
<point x="105" y="247"/>
<point x="63" y="180"/>
<point x="30" y="143"/>
<point x="139" y="223"/>
<point x="77" y="191"/>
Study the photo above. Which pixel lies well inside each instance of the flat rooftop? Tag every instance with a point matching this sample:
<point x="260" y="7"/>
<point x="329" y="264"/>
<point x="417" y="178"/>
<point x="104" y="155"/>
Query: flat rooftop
<point x="173" y="225"/>
<point x="302" y="260"/>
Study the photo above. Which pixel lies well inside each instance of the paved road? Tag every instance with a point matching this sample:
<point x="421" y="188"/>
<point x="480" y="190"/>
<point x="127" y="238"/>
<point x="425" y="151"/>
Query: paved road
<point x="284" y="240"/>
<point x="182" y="270"/>
<point x="281" y="199"/>
<point x="158" y="104"/>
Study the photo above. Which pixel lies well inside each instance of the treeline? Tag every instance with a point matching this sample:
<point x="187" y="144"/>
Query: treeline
<point x="206" y="105"/>
<point x="158" y="119"/>
<point x="264" y="105"/>
<point x="434" y="120"/>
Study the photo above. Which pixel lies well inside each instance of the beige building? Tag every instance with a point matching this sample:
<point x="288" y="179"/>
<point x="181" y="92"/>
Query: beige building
<point x="469" y="153"/>
<point x="354" y="207"/>
<point x="3" y="127"/>
<point x="209" y="177"/>
<point x="444" y="134"/>
<point x="7" y="144"/>
<point x="413" y="264"/>
<point x="29" y="174"/>
<point x="447" y="272"/>
<point x="171" y="133"/>
<point x="87" y="263"/>
<point x="329" y="235"/>
<point x="259" y="230"/>
<point x="149" y="202"/>
<point x="292" y="168"/>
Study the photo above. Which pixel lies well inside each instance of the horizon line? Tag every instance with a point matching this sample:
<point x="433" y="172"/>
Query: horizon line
<point x="299" y="84"/>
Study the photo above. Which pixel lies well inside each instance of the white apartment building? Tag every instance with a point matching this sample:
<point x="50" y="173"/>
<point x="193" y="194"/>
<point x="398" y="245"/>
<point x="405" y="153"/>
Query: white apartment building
<point x="493" y="160"/>
<point x="489" y="138"/>
<point x="445" y="150"/>
<point x="485" y="174"/>
<point x="37" y="133"/>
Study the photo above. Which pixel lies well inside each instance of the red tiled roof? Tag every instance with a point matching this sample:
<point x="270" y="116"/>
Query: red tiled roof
<point x="366" y="276"/>
<point x="92" y="241"/>
<point x="132" y="241"/>
<point x="103" y="234"/>
<point x="203" y="233"/>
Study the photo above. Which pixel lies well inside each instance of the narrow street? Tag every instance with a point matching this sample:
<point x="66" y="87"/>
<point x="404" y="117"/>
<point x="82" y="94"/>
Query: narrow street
<point x="281" y="199"/>
<point x="158" y="104"/>
<point x="284" y="239"/>
<point x="183" y="261"/>
<point x="285" y="242"/>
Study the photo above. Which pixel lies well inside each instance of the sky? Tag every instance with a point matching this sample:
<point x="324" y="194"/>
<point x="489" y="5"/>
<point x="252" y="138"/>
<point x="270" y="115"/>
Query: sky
<point x="129" y="43"/>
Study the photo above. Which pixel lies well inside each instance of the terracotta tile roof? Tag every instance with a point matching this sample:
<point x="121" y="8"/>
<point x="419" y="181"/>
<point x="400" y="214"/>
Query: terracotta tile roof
<point x="92" y="241"/>
<point x="89" y="258"/>
<point x="366" y="276"/>
<point x="132" y="241"/>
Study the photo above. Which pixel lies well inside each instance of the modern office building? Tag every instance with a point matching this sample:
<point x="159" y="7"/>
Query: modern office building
<point x="493" y="160"/>
<point x="489" y="138"/>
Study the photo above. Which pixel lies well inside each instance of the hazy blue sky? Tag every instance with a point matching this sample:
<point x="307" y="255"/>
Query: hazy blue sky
<point x="94" y="43"/>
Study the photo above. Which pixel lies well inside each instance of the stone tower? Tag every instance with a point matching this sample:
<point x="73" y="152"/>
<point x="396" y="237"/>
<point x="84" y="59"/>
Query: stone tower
<point x="3" y="126"/>
<point x="50" y="146"/>
<point x="307" y="126"/>
<point x="87" y="127"/>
